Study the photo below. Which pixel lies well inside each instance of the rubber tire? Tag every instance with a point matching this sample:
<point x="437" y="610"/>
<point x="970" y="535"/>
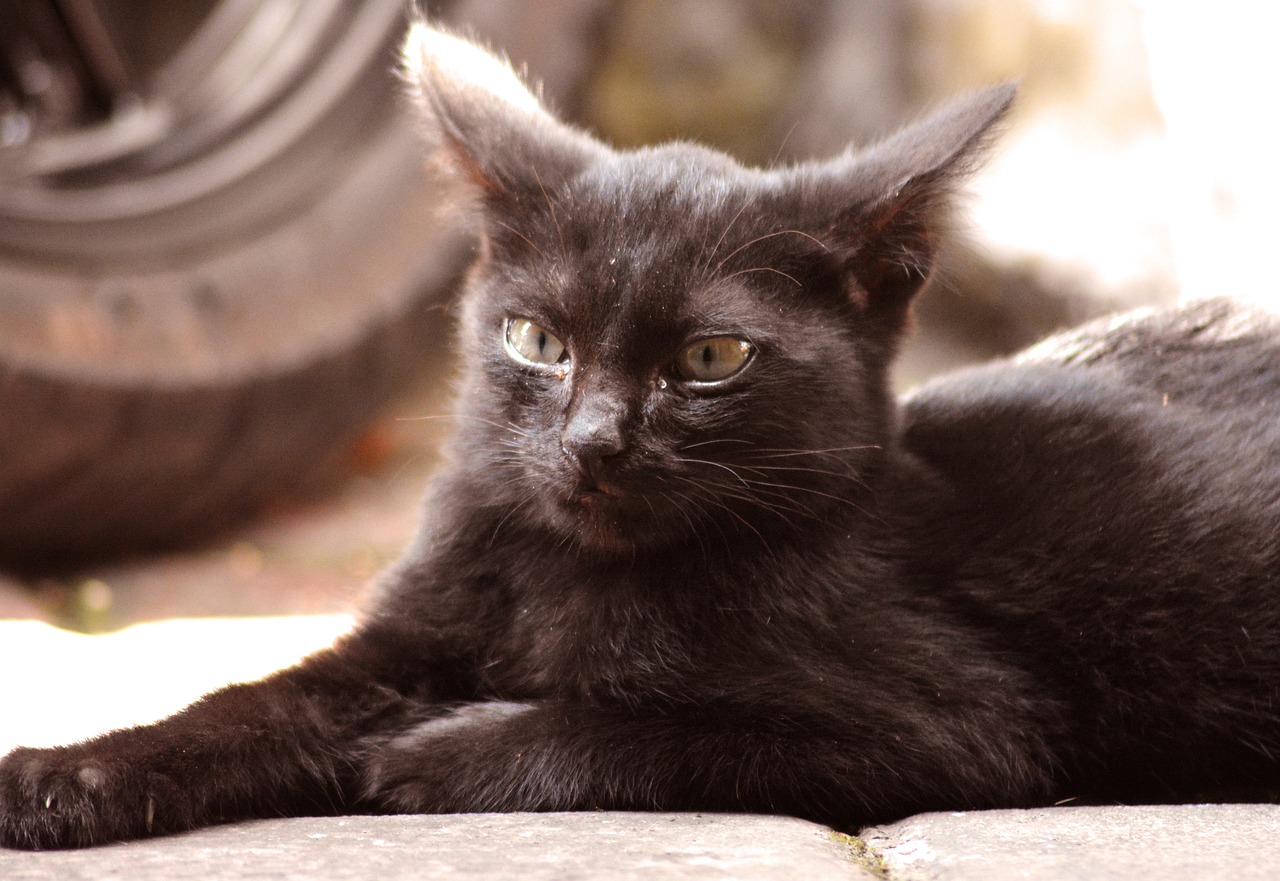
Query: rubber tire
<point x="147" y="402"/>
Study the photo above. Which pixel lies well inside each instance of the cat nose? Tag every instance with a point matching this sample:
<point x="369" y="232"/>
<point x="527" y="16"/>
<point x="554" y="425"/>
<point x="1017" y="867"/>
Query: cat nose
<point x="591" y="437"/>
<point x="590" y="461"/>
<point x="590" y="450"/>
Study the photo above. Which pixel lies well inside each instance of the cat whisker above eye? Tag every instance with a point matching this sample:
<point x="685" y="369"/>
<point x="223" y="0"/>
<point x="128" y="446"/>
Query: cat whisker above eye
<point x="792" y="278"/>
<point x="511" y="229"/>
<point x="757" y="239"/>
<point x="552" y="208"/>
<point x="711" y="255"/>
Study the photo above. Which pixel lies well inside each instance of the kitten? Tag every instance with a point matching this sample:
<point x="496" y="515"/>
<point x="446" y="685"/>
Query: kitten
<point x="690" y="554"/>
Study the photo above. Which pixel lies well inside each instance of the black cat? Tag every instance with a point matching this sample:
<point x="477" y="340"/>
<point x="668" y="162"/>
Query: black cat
<point x="690" y="554"/>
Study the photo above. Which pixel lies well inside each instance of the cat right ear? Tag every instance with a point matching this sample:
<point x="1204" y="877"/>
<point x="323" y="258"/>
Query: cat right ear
<point x="485" y="121"/>
<point x="892" y="201"/>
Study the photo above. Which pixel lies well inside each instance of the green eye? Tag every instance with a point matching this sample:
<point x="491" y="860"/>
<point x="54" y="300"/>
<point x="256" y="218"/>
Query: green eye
<point x="714" y="359"/>
<point x="533" y="344"/>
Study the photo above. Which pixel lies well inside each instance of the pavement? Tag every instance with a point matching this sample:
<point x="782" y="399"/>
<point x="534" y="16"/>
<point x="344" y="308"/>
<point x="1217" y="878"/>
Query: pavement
<point x="1169" y="843"/>
<point x="1164" y="842"/>
<point x="530" y="847"/>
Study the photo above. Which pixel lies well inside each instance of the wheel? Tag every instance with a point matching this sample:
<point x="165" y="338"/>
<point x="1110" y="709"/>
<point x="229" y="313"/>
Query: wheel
<point x="211" y="286"/>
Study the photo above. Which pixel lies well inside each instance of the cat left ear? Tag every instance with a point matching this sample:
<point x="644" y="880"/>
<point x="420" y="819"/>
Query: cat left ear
<point x="897" y="195"/>
<point x="485" y="120"/>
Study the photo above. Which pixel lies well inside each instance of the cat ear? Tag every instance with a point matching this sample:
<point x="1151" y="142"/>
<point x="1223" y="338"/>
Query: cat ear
<point x="896" y="195"/>
<point x="485" y="121"/>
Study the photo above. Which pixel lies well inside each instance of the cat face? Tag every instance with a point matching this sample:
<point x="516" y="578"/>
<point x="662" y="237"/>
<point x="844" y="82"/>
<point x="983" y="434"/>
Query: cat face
<point x="669" y="363"/>
<point x="666" y="347"/>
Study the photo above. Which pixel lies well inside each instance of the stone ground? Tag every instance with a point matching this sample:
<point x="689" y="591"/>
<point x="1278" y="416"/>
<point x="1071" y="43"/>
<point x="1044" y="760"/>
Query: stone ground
<point x="554" y="847"/>
<point x="1165" y="842"/>
<point x="1058" y="844"/>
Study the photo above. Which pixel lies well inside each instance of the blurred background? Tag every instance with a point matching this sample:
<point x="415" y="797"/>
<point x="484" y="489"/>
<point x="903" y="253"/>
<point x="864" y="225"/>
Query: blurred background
<point x="225" y="280"/>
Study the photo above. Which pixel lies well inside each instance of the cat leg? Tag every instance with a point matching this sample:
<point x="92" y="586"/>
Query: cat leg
<point x="561" y="756"/>
<point x="280" y="746"/>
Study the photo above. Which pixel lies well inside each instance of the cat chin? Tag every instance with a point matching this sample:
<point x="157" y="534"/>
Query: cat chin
<point x="601" y="525"/>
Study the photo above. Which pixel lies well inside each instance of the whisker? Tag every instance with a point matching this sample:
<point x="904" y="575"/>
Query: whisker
<point x="750" y="498"/>
<point x="718" y="440"/>
<point x="782" y="453"/>
<point x="778" y="155"/>
<point x="516" y="507"/>
<point x="704" y="497"/>
<point x="843" y="501"/>
<point x="552" y="208"/>
<point x="720" y="241"/>
<point x="794" y="505"/>
<point x="693" y="529"/>
<point x="713" y="464"/>
<point x="517" y="232"/>
<point x="798" y="470"/>
<point x="781" y="232"/>
<point x="793" y="279"/>
<point x="505" y="427"/>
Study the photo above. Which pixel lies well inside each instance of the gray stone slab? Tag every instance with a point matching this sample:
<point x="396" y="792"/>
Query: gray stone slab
<point x="528" y="847"/>
<point x="1169" y="843"/>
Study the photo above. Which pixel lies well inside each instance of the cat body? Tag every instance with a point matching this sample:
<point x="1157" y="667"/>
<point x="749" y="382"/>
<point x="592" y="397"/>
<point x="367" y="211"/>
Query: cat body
<point x="688" y="553"/>
<point x="1114" y="522"/>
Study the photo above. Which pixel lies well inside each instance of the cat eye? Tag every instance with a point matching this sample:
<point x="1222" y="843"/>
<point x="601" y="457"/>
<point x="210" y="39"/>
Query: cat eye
<point x="713" y="359"/>
<point x="533" y="344"/>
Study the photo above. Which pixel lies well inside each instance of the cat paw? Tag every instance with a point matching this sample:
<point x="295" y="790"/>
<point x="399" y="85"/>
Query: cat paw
<point x="436" y="765"/>
<point x="67" y="797"/>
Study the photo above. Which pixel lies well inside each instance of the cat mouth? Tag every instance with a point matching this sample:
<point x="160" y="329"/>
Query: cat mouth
<point x="598" y="494"/>
<point x="597" y="504"/>
<point x="600" y="513"/>
<point x="593" y="490"/>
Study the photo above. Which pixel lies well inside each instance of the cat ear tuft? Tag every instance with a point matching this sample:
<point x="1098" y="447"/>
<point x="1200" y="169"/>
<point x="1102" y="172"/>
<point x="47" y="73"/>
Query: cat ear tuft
<point x="482" y="117"/>
<point x="897" y="194"/>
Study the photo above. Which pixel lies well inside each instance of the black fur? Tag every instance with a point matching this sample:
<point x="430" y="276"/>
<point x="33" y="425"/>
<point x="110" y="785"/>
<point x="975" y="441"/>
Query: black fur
<point x="1048" y="578"/>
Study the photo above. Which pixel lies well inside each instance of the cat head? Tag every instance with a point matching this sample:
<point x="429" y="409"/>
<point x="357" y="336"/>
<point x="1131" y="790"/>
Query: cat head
<point x="664" y="346"/>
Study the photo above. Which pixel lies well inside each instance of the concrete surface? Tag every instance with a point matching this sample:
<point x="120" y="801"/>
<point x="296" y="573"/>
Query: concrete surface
<point x="1166" y="843"/>
<point x="1163" y="842"/>
<point x="530" y="847"/>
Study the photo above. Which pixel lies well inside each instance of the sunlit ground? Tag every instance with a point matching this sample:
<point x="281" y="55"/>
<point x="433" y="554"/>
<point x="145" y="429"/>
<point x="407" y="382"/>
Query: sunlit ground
<point x="61" y="686"/>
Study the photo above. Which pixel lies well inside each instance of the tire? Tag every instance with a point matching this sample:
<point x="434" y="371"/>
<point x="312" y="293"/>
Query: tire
<point x="167" y="365"/>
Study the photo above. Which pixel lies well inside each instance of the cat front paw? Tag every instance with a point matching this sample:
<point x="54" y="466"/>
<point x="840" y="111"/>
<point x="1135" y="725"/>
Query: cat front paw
<point x="439" y="765"/>
<point x="68" y="797"/>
